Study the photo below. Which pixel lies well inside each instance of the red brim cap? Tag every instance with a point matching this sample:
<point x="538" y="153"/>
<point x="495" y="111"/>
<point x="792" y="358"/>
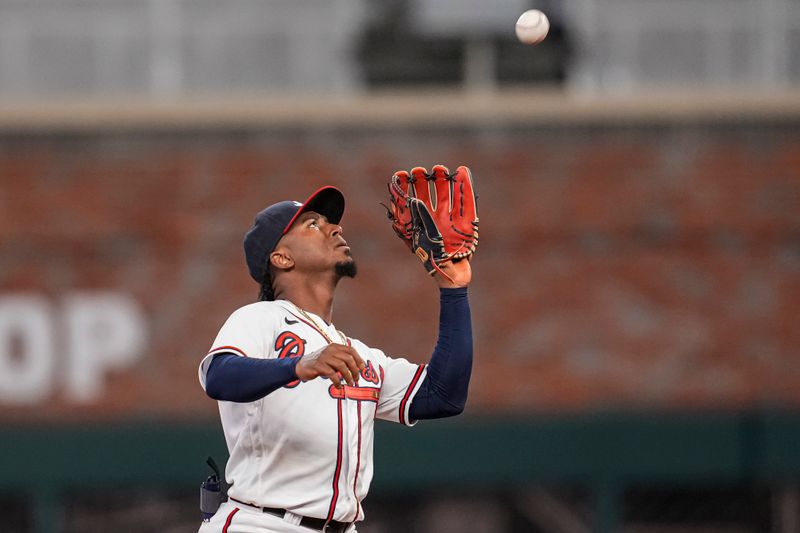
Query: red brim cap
<point x="327" y="201"/>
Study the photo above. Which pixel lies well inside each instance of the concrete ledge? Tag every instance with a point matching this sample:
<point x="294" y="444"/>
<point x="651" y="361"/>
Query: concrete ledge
<point x="391" y="109"/>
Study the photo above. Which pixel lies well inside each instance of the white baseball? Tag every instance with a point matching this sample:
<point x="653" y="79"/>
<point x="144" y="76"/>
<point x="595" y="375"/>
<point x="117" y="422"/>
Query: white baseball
<point x="532" y="26"/>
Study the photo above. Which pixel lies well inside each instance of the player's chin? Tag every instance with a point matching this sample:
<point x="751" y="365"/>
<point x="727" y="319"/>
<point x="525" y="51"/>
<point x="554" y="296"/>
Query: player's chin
<point x="346" y="268"/>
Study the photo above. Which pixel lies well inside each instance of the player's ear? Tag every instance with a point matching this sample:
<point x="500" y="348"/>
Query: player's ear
<point x="281" y="259"/>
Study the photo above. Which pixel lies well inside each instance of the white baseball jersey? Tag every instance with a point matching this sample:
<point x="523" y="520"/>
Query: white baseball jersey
<point x="307" y="447"/>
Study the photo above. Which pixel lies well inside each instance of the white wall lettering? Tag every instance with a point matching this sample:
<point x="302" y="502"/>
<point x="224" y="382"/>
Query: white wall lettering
<point x="70" y="344"/>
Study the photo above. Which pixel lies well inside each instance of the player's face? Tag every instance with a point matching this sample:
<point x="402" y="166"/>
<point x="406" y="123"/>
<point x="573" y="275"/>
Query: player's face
<point x="316" y="244"/>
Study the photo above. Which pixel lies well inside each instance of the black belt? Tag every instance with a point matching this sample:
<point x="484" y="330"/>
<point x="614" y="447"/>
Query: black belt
<point x="318" y="524"/>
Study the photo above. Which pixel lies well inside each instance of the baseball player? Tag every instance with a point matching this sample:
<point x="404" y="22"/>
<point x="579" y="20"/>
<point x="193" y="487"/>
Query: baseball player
<point x="297" y="397"/>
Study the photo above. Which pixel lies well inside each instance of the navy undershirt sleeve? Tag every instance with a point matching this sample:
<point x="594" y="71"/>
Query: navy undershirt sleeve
<point x="234" y="378"/>
<point x="443" y="392"/>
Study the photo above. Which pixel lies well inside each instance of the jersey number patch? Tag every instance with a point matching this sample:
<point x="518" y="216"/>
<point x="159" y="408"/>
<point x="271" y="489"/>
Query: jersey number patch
<point x="288" y="344"/>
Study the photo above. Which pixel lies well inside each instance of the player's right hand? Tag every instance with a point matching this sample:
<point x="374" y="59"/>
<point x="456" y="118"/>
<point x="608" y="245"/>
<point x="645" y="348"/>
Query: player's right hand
<point x="337" y="362"/>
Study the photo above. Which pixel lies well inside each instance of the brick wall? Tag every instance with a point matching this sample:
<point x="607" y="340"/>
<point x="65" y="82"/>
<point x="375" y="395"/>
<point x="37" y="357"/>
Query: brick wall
<point x="634" y="267"/>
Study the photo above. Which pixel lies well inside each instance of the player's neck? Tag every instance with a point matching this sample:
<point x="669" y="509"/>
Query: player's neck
<point x="315" y="298"/>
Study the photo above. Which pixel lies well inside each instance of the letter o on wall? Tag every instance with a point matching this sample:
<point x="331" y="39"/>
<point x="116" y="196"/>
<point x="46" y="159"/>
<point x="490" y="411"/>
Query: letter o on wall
<point x="26" y="349"/>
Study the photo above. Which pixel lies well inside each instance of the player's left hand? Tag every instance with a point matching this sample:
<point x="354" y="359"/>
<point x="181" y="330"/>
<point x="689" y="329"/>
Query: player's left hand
<point x="458" y="274"/>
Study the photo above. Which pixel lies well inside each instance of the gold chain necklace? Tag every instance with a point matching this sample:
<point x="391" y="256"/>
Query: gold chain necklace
<point x="319" y="329"/>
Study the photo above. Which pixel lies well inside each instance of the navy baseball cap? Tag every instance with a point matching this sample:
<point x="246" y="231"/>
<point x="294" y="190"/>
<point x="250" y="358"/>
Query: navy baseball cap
<point x="273" y="222"/>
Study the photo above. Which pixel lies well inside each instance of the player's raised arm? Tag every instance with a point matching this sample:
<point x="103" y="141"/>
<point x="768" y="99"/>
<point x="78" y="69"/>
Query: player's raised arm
<point x="435" y="214"/>
<point x="443" y="393"/>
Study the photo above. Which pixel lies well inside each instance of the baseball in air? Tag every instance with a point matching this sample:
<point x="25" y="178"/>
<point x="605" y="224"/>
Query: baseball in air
<point x="532" y="27"/>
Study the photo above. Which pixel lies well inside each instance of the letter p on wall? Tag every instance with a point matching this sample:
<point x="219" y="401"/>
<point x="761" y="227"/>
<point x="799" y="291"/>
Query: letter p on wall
<point x="105" y="331"/>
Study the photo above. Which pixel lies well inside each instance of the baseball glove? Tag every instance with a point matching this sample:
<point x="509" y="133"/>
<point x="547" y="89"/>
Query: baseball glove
<point x="435" y="214"/>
